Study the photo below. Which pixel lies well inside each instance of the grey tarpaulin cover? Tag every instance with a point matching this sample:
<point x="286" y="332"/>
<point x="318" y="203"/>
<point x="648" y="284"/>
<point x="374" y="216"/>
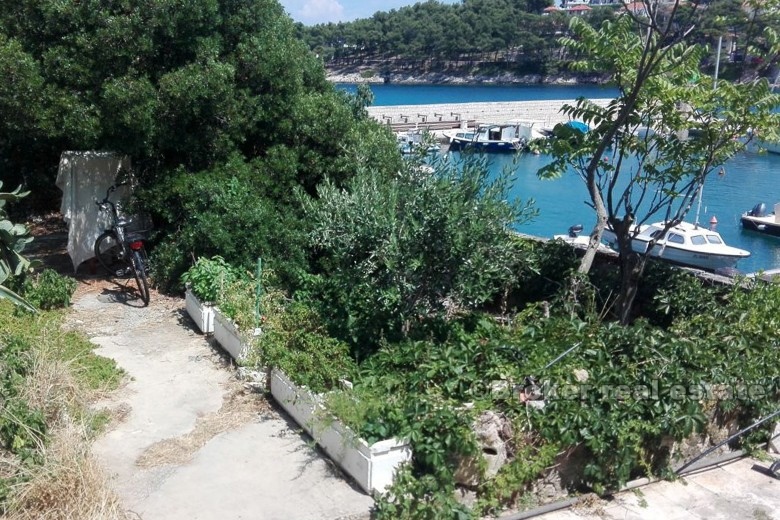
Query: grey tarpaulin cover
<point x="84" y="178"/>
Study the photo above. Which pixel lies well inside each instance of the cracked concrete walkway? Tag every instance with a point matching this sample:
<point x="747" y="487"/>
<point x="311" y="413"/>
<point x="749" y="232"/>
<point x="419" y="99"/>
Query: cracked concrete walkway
<point x="743" y="489"/>
<point x="190" y="441"/>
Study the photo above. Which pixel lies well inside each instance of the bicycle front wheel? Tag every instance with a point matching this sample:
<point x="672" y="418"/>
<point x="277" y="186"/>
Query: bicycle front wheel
<point x="109" y="254"/>
<point x="139" y="269"/>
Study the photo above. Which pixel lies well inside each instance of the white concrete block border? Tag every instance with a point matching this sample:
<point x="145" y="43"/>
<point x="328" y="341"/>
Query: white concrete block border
<point x="372" y="466"/>
<point x="202" y="314"/>
<point x="227" y="335"/>
<point x="774" y="442"/>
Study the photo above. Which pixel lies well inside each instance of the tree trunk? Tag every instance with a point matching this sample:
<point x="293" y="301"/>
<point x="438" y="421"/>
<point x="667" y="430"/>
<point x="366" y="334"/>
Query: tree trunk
<point x="631" y="267"/>
<point x="601" y="222"/>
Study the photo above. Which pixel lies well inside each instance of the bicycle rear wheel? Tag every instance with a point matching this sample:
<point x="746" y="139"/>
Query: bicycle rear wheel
<point x="139" y="269"/>
<point x="109" y="254"/>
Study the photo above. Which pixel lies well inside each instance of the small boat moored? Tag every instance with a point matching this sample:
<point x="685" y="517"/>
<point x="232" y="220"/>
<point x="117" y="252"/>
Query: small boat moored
<point x="573" y="238"/>
<point x="415" y="141"/>
<point x="508" y="137"/>
<point x="684" y="244"/>
<point x="757" y="219"/>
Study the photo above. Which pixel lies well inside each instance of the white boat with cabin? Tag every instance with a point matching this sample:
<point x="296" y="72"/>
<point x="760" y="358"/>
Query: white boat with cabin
<point x="507" y="137"/>
<point x="684" y="244"/>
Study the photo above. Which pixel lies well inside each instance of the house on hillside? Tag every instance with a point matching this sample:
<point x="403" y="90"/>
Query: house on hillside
<point x="578" y="9"/>
<point x="638" y="9"/>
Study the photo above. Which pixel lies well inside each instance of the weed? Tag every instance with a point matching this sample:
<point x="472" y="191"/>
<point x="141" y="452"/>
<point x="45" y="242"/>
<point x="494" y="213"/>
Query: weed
<point x="46" y="380"/>
<point x="49" y="290"/>
<point x="68" y="484"/>
<point x="641" y="500"/>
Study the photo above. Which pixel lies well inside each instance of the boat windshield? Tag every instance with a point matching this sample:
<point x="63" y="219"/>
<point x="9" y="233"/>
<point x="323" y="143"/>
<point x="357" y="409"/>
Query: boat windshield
<point x="698" y="240"/>
<point x="714" y="239"/>
<point x="675" y="238"/>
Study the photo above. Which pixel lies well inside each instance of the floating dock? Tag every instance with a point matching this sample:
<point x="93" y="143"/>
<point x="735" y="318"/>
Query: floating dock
<point x="447" y="116"/>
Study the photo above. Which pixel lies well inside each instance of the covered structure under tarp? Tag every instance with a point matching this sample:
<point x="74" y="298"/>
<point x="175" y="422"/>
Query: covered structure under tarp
<point x="84" y="178"/>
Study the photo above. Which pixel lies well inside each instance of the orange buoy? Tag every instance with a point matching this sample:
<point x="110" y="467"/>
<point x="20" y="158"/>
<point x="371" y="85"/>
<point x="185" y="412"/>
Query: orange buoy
<point x="713" y="223"/>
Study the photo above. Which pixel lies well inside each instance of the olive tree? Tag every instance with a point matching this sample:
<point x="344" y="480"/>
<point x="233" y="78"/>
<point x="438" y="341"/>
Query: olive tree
<point x="649" y="151"/>
<point x="396" y="252"/>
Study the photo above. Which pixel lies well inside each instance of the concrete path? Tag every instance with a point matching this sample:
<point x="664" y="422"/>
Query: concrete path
<point x="189" y="440"/>
<point x="739" y="490"/>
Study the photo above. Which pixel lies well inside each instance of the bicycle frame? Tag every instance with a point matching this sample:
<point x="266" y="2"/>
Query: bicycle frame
<point x="118" y="224"/>
<point x="129" y="251"/>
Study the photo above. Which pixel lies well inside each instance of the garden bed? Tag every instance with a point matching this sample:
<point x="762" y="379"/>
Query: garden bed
<point x="229" y="337"/>
<point x="372" y="466"/>
<point x="201" y="313"/>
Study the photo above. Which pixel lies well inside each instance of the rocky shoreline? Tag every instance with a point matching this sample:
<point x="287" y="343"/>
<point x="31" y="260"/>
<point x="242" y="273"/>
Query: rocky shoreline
<point x="439" y="78"/>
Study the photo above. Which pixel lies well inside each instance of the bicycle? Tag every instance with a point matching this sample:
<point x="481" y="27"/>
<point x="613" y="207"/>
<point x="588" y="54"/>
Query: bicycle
<point x="121" y="252"/>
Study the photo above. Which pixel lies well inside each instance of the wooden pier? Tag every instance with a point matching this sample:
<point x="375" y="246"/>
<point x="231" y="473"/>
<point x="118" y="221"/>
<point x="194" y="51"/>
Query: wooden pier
<point x="446" y="116"/>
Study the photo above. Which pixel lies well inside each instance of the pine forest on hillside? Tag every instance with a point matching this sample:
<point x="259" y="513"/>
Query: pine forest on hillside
<point x="521" y="36"/>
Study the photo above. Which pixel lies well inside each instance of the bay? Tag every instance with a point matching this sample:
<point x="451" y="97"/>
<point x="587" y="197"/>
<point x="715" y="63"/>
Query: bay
<point x="390" y="94"/>
<point x="750" y="177"/>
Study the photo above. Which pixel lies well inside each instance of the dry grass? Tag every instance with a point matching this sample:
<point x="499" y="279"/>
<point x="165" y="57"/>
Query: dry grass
<point x="52" y="388"/>
<point x="239" y="407"/>
<point x="69" y="485"/>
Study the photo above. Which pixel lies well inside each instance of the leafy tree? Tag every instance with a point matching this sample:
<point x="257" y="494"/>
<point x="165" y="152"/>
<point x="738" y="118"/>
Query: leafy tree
<point x="633" y="174"/>
<point x="433" y="34"/>
<point x="199" y="89"/>
<point x="167" y="83"/>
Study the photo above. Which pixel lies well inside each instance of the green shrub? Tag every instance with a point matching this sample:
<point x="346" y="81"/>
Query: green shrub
<point x="167" y="264"/>
<point x="667" y="293"/>
<point x="238" y="301"/>
<point x="233" y="211"/>
<point x="393" y="253"/>
<point x="294" y="339"/>
<point x="49" y="290"/>
<point x="210" y="278"/>
<point x="542" y="270"/>
<point x="22" y="428"/>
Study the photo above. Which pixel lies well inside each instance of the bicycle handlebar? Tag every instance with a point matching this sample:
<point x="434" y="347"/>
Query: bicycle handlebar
<point x="111" y="189"/>
<point x="106" y="202"/>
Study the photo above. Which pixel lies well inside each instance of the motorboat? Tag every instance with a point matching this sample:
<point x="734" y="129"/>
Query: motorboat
<point x="684" y="244"/>
<point x="508" y="137"/>
<point x="573" y="238"/>
<point x="757" y="219"/>
<point x="415" y="141"/>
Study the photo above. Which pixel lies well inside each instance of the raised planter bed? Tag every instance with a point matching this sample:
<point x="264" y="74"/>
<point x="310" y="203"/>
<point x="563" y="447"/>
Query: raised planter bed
<point x="201" y="313"/>
<point x="372" y="466"/>
<point x="227" y="335"/>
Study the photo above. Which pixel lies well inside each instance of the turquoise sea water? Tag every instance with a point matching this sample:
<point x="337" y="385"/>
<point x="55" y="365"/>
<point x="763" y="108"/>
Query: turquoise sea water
<point x="385" y="95"/>
<point x="750" y="177"/>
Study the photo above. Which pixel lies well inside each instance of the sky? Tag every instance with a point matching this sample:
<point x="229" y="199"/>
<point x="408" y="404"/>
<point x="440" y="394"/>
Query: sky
<point x="312" y="12"/>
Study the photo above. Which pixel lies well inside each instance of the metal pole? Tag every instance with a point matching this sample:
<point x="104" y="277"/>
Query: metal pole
<point x="735" y="436"/>
<point x="717" y="63"/>
<point x="258" y="291"/>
